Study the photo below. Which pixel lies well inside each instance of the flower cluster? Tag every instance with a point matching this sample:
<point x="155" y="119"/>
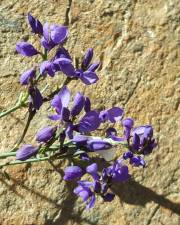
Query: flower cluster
<point x="75" y="121"/>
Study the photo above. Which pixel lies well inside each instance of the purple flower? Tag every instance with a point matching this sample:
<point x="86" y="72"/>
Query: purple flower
<point x="93" y="170"/>
<point x="53" y="35"/>
<point x="26" y="152"/>
<point x="45" y="134"/>
<point x="35" y="24"/>
<point x="108" y="197"/>
<point x="89" y="122"/>
<point x="127" y="155"/>
<point x="113" y="115"/>
<point x="97" y="145"/>
<point x="26" y="76"/>
<point x="115" y="173"/>
<point x="72" y="172"/>
<point x="88" y="77"/>
<point x="62" y="53"/>
<point x="84" y="191"/>
<point x="87" y="105"/>
<point x="58" y="34"/>
<point x="47" y="67"/>
<point x="80" y="140"/>
<point x="128" y="125"/>
<point x="36" y="98"/>
<point x="87" y="58"/>
<point x="137" y="161"/>
<point x="26" y="49"/>
<point x="93" y="67"/>
<point x="65" y="65"/>
<point x="142" y="139"/>
<point x="78" y="104"/>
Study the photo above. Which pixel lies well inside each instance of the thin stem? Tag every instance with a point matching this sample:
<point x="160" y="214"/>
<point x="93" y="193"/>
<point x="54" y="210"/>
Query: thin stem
<point x="7" y="154"/>
<point x="16" y="162"/>
<point x="14" y="108"/>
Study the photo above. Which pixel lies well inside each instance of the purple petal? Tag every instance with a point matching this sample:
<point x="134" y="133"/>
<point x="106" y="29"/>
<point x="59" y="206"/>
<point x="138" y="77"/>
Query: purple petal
<point x="96" y="145"/>
<point x="93" y="67"/>
<point x="47" y="67"/>
<point x="65" y="114"/>
<point x="89" y="77"/>
<point x="46" y="31"/>
<point x="78" y="104"/>
<point x="35" y="97"/>
<point x="127" y="155"/>
<point x="80" y="140"/>
<point x="26" y="49"/>
<point x="72" y="172"/>
<point x="89" y="122"/>
<point x="58" y="33"/>
<point x="128" y="122"/>
<point x="115" y="114"/>
<point x="87" y="105"/>
<point x="135" y="142"/>
<point x="108" y="197"/>
<point x="54" y="117"/>
<point x="66" y="66"/>
<point x="103" y="116"/>
<point x="45" y="134"/>
<point x="111" y="132"/>
<point x="65" y="96"/>
<point x="47" y="44"/>
<point x="25" y="152"/>
<point x="35" y="24"/>
<point x="91" y="202"/>
<point x="87" y="58"/>
<point x="93" y="168"/>
<point x="69" y="131"/>
<point x="137" y="161"/>
<point x="56" y="103"/>
<point x="25" y="77"/>
<point x="62" y="53"/>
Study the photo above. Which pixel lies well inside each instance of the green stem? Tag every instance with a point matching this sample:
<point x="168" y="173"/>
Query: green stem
<point x="16" y="162"/>
<point x="14" y="108"/>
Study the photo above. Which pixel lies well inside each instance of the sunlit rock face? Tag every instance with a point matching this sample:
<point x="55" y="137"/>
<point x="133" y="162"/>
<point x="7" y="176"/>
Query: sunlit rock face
<point x="137" y="44"/>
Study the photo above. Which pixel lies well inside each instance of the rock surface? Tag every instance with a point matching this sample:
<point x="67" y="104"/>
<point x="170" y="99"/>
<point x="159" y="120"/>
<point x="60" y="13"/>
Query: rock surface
<point x="138" y="46"/>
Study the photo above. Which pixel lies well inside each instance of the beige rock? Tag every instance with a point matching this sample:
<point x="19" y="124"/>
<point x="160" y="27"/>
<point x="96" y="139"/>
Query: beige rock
<point x="138" y="45"/>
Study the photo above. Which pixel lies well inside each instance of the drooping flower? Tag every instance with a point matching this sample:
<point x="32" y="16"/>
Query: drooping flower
<point x="26" y="49"/>
<point x="26" y="76"/>
<point x="72" y="173"/>
<point x="36" y="98"/>
<point x="35" y="24"/>
<point x="26" y="152"/>
<point x="45" y="134"/>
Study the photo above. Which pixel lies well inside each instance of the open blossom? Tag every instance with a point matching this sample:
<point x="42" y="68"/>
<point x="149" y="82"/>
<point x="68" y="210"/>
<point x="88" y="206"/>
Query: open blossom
<point x="53" y="35"/>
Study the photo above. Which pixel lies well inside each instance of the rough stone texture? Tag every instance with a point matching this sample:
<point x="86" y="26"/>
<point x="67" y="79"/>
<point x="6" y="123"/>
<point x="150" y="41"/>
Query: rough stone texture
<point x="137" y="43"/>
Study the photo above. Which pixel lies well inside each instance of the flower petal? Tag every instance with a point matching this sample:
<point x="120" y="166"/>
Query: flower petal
<point x="35" y="24"/>
<point x="87" y="58"/>
<point x="26" y="49"/>
<point x="25" y="152"/>
<point x="45" y="134"/>
<point x="89" y="77"/>
<point x="89" y="122"/>
<point x="115" y="114"/>
<point x="25" y="77"/>
<point x="66" y="66"/>
<point x="78" y="104"/>
<point x="72" y="172"/>
<point x="58" y="33"/>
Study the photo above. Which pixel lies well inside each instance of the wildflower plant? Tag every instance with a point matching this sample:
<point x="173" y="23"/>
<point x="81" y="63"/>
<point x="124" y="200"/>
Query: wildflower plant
<point x="74" y="121"/>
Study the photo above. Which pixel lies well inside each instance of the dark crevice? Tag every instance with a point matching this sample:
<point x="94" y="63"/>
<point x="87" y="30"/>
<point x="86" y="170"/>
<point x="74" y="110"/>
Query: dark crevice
<point x="67" y="14"/>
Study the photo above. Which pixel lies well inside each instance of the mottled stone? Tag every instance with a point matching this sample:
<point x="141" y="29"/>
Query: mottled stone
<point x="137" y="43"/>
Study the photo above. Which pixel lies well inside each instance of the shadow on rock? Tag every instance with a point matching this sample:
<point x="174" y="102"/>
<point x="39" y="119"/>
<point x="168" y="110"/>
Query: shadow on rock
<point x="134" y="193"/>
